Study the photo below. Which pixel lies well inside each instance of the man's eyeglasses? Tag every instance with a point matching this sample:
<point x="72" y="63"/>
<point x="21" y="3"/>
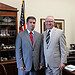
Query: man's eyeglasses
<point x="48" y="21"/>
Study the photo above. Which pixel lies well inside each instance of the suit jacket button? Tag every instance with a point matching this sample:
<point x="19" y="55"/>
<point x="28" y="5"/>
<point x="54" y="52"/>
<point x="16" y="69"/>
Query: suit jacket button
<point x="33" y="50"/>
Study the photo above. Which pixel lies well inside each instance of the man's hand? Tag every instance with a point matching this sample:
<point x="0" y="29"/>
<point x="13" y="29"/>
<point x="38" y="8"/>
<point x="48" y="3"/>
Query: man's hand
<point x="22" y="68"/>
<point x="61" y="66"/>
<point x="40" y="67"/>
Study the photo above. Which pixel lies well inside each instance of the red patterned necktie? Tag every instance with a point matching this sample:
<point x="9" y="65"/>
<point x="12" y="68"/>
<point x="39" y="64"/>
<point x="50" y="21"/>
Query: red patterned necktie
<point x="31" y="37"/>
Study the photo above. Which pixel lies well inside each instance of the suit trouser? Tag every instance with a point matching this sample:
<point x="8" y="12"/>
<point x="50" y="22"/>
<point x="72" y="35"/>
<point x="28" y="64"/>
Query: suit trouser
<point x="24" y="72"/>
<point x="52" y="71"/>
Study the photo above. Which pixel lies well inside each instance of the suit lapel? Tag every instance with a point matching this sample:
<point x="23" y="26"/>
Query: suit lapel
<point x="52" y="34"/>
<point x="51" y="37"/>
<point x="28" y="37"/>
<point x="35" y="38"/>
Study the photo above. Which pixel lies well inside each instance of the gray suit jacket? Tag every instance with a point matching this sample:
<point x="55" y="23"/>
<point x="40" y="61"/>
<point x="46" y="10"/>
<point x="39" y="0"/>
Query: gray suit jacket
<point x="55" y="52"/>
<point x="26" y="52"/>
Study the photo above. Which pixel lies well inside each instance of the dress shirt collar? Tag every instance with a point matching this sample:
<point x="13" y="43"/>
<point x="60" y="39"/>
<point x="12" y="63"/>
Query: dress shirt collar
<point x="29" y="31"/>
<point x="50" y="30"/>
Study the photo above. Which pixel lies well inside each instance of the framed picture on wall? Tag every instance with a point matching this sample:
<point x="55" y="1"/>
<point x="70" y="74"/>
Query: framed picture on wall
<point x="59" y="23"/>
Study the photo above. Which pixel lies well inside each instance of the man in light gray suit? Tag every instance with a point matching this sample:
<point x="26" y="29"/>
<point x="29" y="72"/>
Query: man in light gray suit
<point x="29" y="50"/>
<point x="54" y="48"/>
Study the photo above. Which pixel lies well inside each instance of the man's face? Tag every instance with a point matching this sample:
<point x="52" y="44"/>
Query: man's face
<point x="49" y="22"/>
<point x="31" y="24"/>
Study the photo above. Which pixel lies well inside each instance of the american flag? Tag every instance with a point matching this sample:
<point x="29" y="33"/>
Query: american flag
<point x="22" y="18"/>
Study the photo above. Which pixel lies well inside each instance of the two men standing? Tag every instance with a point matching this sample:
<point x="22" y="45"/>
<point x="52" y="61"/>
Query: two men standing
<point x="30" y="53"/>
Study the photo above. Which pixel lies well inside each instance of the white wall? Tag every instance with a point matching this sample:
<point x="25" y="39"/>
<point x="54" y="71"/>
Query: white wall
<point x="62" y="9"/>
